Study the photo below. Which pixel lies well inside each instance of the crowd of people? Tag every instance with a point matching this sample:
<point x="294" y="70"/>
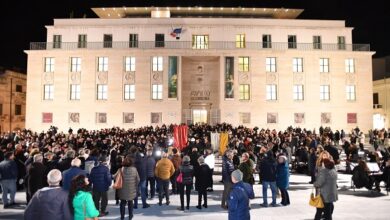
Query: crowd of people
<point x="77" y="168"/>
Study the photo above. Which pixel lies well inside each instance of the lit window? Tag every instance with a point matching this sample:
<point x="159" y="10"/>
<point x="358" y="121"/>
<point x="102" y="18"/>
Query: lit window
<point x="75" y="92"/>
<point x="349" y="65"/>
<point x="298" y="92"/>
<point x="324" y="92"/>
<point x="157" y="91"/>
<point x="157" y="64"/>
<point x="243" y="64"/>
<point x="240" y="41"/>
<point x="75" y="64"/>
<point x="351" y="93"/>
<point x="324" y="65"/>
<point x="48" y="92"/>
<point x="130" y="64"/>
<point x="317" y="42"/>
<point x="297" y="65"/>
<point x="102" y="64"/>
<point x="102" y="92"/>
<point x="271" y="93"/>
<point x="129" y="91"/>
<point x="200" y="41"/>
<point x="49" y="64"/>
<point x="244" y="92"/>
<point x="270" y="64"/>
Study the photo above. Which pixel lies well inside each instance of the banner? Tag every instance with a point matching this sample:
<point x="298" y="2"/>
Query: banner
<point x="172" y="77"/>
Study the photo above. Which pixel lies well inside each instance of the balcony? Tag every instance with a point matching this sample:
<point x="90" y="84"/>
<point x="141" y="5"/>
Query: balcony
<point x="211" y="45"/>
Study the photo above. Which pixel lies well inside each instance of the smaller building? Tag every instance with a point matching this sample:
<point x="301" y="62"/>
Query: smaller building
<point x="381" y="92"/>
<point x="12" y="100"/>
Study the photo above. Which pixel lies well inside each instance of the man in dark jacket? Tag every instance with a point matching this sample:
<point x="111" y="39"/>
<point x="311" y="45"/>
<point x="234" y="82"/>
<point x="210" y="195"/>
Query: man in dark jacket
<point x="65" y="162"/>
<point x="150" y="165"/>
<point x="239" y="198"/>
<point x="8" y="176"/>
<point x="227" y="169"/>
<point x="202" y="182"/>
<point x="73" y="171"/>
<point x="101" y="179"/>
<point x="49" y="202"/>
<point x="35" y="176"/>
<point x="268" y="176"/>
<point x="140" y="164"/>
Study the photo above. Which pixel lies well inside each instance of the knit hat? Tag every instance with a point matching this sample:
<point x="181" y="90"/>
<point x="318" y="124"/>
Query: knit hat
<point x="237" y="174"/>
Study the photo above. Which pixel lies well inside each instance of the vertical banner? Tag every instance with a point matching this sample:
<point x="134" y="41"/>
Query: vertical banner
<point x="229" y="77"/>
<point x="172" y="77"/>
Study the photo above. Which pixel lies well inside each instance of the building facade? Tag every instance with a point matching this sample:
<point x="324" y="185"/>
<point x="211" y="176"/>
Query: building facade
<point x="381" y="92"/>
<point x="12" y="100"/>
<point x="260" y="67"/>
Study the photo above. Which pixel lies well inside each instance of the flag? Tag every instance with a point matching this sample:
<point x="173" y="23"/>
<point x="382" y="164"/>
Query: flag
<point x="176" y="32"/>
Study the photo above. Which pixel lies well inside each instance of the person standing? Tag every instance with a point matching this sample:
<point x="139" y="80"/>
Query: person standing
<point x="150" y="166"/>
<point x="73" y="171"/>
<point x="268" y="176"/>
<point x="35" y="176"/>
<point x="164" y="170"/>
<point x="187" y="172"/>
<point x="282" y="179"/>
<point x="202" y="182"/>
<point x="239" y="197"/>
<point x="246" y="167"/>
<point x="8" y="176"/>
<point x="101" y="179"/>
<point x="227" y="169"/>
<point x="176" y="160"/>
<point x="210" y="161"/>
<point x="80" y="199"/>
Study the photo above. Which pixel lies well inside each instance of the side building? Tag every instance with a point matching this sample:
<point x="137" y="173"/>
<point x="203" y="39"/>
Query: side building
<point x="260" y="67"/>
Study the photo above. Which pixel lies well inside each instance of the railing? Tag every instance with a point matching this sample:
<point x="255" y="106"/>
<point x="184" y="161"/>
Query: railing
<point x="228" y="45"/>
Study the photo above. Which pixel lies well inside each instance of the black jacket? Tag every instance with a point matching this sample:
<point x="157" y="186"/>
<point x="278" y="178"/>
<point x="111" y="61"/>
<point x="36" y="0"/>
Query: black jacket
<point x="268" y="169"/>
<point x="202" y="174"/>
<point x="35" y="177"/>
<point x="187" y="171"/>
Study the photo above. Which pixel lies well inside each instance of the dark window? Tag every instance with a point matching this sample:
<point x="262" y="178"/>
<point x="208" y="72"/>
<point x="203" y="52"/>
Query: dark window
<point x="19" y="88"/>
<point x="1" y="109"/>
<point x="292" y="41"/>
<point x="57" y="39"/>
<point x="18" y="109"/>
<point x="107" y="41"/>
<point x="267" y="41"/>
<point x="317" y="42"/>
<point x="159" y="40"/>
<point x="341" y="42"/>
<point x="376" y="98"/>
<point x="133" y="40"/>
<point x="82" y="42"/>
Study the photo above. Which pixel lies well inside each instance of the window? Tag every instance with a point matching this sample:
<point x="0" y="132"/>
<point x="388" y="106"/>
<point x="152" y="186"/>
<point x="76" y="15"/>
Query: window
<point x="240" y="41"/>
<point x="133" y="40"/>
<point x="243" y="64"/>
<point x="298" y="92"/>
<point x="244" y="92"/>
<point x="317" y="42"/>
<point x="297" y="65"/>
<point x="82" y="41"/>
<point x="375" y="98"/>
<point x="292" y="41"/>
<point x="350" y="65"/>
<point x="57" y="41"/>
<point x="267" y="41"/>
<point x="129" y="91"/>
<point x="159" y="40"/>
<point x="341" y="42"/>
<point x="200" y="41"/>
<point x="107" y="41"/>
<point x="157" y="64"/>
<point x="18" y="109"/>
<point x="102" y="64"/>
<point x="324" y="92"/>
<point x="157" y="91"/>
<point x="48" y="92"/>
<point x="75" y="64"/>
<point x="49" y="64"/>
<point x="101" y="92"/>
<point x="351" y="93"/>
<point x="19" y="88"/>
<point x="129" y="64"/>
<point x="1" y="109"/>
<point x="74" y="92"/>
<point x="324" y="65"/>
<point x="271" y="93"/>
<point x="270" y="64"/>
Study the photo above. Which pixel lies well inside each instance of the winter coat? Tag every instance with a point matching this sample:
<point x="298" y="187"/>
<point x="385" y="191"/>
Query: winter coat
<point x="268" y="170"/>
<point x="326" y="181"/>
<point x="282" y="175"/>
<point x="140" y="164"/>
<point x="48" y="203"/>
<point x="202" y="174"/>
<point x="187" y="171"/>
<point x="176" y="160"/>
<point x="164" y="169"/>
<point x="64" y="164"/>
<point x="247" y="171"/>
<point x="100" y="178"/>
<point x="360" y="177"/>
<point x="68" y="175"/>
<point x="238" y="202"/>
<point x="130" y="183"/>
<point x="35" y="177"/>
<point x="8" y="170"/>
<point x="83" y="206"/>
<point x="150" y="166"/>
<point x="227" y="169"/>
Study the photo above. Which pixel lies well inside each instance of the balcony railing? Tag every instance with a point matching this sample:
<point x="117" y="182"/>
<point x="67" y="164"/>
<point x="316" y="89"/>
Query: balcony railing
<point x="227" y="45"/>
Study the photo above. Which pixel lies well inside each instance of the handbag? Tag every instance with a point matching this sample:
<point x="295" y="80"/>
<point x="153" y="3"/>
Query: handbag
<point x="179" y="178"/>
<point x="316" y="201"/>
<point x="118" y="180"/>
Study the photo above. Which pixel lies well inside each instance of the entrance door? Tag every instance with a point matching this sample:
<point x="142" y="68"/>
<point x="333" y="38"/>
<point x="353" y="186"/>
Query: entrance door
<point x="199" y="116"/>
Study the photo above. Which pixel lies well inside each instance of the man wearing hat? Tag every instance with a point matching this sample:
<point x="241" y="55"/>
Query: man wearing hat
<point x="101" y="179"/>
<point x="240" y="194"/>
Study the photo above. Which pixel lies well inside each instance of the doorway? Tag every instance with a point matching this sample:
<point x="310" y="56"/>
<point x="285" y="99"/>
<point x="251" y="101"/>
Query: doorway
<point x="199" y="116"/>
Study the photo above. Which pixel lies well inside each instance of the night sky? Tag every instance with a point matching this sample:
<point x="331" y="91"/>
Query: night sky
<point x="23" y="22"/>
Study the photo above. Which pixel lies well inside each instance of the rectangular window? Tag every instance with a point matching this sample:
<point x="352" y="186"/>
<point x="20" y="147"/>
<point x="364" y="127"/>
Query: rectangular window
<point x="297" y="65"/>
<point x="48" y="92"/>
<point x="351" y="93"/>
<point x="1" y="109"/>
<point x="49" y="64"/>
<point x="298" y="92"/>
<point x="157" y="92"/>
<point x="82" y="41"/>
<point x="229" y="77"/>
<point x="267" y="41"/>
<point x="107" y="41"/>
<point x="75" y="64"/>
<point x="240" y="41"/>
<point x="292" y="41"/>
<point x="57" y="39"/>
<point x="200" y="42"/>
<point x="159" y="40"/>
<point x="324" y="65"/>
<point x="133" y="40"/>
<point x="243" y="64"/>
<point x="317" y="42"/>
<point x="270" y="64"/>
<point x="349" y="65"/>
<point x="19" y="88"/>
<point x="341" y="42"/>
<point x="244" y="92"/>
<point x="271" y="93"/>
<point x="157" y="64"/>
<point x="102" y="92"/>
<point x="129" y="92"/>
<point x="102" y="64"/>
<point x="129" y="64"/>
<point x="375" y="98"/>
<point x="324" y="92"/>
<point x="75" y="92"/>
<point x="18" y="109"/>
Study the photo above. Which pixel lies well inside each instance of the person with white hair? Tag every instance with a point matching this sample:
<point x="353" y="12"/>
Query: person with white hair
<point x="50" y="202"/>
<point x="73" y="171"/>
<point x="35" y="176"/>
